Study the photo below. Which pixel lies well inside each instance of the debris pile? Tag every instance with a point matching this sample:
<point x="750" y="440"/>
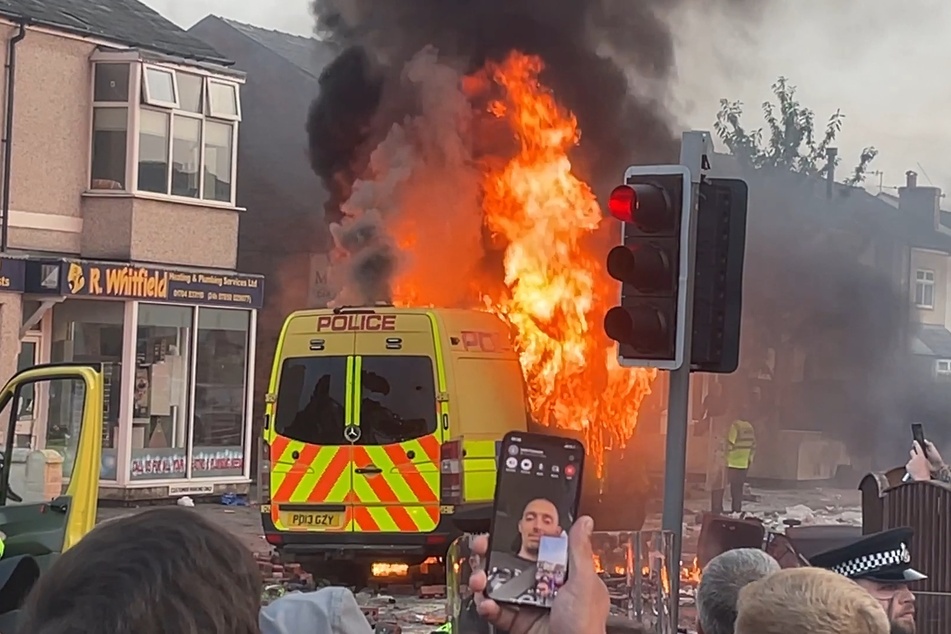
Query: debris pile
<point x="279" y="578"/>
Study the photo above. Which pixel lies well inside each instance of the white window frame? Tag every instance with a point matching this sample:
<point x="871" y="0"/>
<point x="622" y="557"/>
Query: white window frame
<point x="139" y="99"/>
<point x="224" y="116"/>
<point x="146" y="93"/>
<point x="924" y="279"/>
<point x="201" y="154"/>
<point x="131" y="126"/>
<point x="942" y="367"/>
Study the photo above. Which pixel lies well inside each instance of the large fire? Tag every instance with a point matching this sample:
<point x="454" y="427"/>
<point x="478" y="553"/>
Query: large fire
<point x="556" y="291"/>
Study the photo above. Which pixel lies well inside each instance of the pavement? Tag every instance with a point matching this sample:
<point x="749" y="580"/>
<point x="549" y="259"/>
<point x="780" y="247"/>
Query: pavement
<point x="419" y="616"/>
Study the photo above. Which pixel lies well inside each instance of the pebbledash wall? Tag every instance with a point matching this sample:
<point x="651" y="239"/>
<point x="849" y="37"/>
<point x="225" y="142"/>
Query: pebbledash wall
<point x="176" y="347"/>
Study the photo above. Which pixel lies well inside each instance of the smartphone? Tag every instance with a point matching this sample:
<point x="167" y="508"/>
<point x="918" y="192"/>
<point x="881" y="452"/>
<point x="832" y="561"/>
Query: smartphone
<point x="918" y="433"/>
<point x="537" y="492"/>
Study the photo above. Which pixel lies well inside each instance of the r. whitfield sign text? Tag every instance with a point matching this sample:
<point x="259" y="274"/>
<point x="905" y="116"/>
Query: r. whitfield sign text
<point x="123" y="281"/>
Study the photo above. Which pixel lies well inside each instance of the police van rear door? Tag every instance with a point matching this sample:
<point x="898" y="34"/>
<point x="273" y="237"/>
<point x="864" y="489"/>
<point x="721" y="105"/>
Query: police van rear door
<point x="311" y="457"/>
<point x="396" y="468"/>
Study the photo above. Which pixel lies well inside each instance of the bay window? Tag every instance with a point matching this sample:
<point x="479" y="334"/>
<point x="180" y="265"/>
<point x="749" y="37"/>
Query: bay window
<point x="164" y="130"/>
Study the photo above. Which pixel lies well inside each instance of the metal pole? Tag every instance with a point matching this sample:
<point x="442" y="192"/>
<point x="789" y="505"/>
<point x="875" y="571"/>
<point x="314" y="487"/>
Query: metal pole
<point x="694" y="150"/>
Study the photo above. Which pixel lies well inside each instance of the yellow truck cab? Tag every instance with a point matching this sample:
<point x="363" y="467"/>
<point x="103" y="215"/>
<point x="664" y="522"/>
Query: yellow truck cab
<point x="362" y="406"/>
<point x="48" y="496"/>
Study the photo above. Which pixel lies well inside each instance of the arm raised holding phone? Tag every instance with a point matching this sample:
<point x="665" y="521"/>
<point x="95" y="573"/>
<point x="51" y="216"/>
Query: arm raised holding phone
<point x="926" y="463"/>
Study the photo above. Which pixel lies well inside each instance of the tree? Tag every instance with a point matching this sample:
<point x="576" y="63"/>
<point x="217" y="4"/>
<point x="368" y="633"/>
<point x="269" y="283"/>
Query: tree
<point x="792" y="142"/>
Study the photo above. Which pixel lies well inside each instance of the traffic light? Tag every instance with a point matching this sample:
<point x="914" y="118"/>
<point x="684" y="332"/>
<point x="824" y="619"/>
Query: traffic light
<point x="718" y="279"/>
<point x="651" y="265"/>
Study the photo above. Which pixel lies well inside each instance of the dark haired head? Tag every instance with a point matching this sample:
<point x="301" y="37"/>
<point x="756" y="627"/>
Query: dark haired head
<point x="162" y="570"/>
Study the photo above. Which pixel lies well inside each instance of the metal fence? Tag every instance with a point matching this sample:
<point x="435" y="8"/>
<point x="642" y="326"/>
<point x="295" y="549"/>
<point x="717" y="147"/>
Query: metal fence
<point x="925" y="507"/>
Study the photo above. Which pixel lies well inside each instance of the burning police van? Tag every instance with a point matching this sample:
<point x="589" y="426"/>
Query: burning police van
<point x="381" y="430"/>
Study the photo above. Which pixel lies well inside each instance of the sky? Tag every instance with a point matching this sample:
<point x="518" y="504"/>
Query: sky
<point x="885" y="64"/>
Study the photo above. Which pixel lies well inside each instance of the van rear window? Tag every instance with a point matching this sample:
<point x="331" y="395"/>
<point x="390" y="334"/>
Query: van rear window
<point x="310" y="400"/>
<point x="397" y="399"/>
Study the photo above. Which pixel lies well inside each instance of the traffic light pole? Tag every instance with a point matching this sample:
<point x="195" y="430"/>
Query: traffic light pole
<point x="695" y="148"/>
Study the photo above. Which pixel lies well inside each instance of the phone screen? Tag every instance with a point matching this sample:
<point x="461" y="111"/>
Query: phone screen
<point x="918" y="433"/>
<point x="536" y="502"/>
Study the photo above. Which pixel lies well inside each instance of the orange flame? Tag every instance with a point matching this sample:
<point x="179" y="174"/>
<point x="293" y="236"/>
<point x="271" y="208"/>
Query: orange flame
<point x="383" y="569"/>
<point x="556" y="291"/>
<point x="689" y="575"/>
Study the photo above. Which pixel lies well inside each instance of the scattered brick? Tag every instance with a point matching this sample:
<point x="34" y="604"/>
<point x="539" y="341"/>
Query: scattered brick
<point x="371" y="612"/>
<point x="432" y="592"/>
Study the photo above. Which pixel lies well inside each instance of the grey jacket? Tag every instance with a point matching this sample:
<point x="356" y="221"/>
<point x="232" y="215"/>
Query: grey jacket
<point x="326" y="611"/>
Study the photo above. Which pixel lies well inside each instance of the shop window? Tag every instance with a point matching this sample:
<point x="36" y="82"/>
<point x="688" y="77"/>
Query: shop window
<point x="310" y="400"/>
<point x="58" y="404"/>
<point x="92" y="331"/>
<point x="397" y="399"/>
<point x="160" y="396"/>
<point x="221" y="374"/>
<point x="28" y="357"/>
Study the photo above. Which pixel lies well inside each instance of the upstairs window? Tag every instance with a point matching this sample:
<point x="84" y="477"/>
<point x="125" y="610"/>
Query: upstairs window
<point x="924" y="288"/>
<point x="164" y="131"/>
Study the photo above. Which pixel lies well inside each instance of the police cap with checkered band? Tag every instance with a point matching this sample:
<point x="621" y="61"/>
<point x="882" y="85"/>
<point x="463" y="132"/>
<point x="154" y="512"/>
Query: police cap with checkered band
<point x="883" y="557"/>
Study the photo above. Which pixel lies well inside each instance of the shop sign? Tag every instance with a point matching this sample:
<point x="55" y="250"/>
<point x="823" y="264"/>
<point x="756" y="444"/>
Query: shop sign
<point x="164" y="464"/>
<point x="128" y="281"/>
<point x="12" y="275"/>
<point x="321" y="289"/>
<point x="175" y="490"/>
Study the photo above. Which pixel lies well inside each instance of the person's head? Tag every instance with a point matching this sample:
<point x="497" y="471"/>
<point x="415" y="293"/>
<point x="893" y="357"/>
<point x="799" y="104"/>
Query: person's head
<point x="881" y="564"/>
<point x="162" y="570"/>
<point x="723" y="578"/>
<point x="897" y="600"/>
<point x="810" y="600"/>
<point x="543" y="588"/>
<point x="539" y="517"/>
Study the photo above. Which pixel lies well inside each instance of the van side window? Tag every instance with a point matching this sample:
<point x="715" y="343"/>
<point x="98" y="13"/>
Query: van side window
<point x="397" y="399"/>
<point x="310" y="400"/>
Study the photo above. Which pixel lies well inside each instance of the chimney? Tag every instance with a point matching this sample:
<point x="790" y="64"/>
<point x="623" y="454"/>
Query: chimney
<point x="921" y="204"/>
<point x="831" y="153"/>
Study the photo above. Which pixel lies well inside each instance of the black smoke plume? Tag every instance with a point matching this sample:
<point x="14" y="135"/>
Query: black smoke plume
<point x="593" y="51"/>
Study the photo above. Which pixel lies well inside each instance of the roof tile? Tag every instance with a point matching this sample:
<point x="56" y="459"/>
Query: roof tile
<point x="127" y="22"/>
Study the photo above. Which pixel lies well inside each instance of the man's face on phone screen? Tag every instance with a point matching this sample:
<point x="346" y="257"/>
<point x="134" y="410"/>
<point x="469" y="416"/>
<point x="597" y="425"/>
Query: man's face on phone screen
<point x="539" y="517"/>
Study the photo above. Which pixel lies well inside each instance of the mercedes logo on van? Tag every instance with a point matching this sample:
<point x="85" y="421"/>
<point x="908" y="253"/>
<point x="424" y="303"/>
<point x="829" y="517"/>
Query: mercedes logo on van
<point x="351" y="433"/>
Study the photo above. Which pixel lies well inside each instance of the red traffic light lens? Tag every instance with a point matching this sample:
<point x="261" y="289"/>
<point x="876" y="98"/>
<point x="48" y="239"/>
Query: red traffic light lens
<point x="622" y="203"/>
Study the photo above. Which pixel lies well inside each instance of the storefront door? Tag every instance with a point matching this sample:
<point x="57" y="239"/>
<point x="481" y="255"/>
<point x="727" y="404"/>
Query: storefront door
<point x="30" y="347"/>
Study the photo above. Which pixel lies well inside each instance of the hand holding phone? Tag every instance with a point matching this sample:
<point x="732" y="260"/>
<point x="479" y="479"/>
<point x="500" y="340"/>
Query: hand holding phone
<point x="536" y="501"/>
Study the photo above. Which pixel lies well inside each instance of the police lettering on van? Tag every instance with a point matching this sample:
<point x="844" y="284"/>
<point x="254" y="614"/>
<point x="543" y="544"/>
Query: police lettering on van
<point x="356" y="323"/>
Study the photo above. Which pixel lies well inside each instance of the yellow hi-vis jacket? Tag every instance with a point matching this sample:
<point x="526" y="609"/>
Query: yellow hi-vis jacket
<point x="741" y="445"/>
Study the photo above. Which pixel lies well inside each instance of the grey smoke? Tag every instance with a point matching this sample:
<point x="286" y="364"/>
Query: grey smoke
<point x="420" y="178"/>
<point x="592" y="50"/>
